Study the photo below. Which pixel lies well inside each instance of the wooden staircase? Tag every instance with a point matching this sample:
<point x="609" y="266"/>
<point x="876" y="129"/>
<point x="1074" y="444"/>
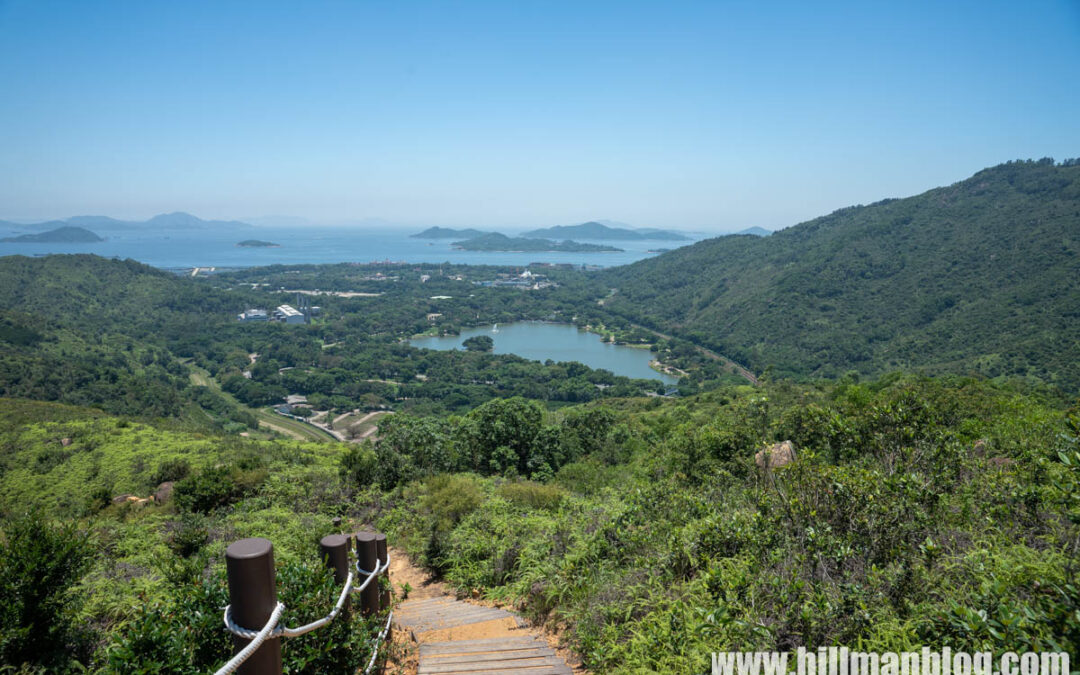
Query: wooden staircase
<point x="461" y="638"/>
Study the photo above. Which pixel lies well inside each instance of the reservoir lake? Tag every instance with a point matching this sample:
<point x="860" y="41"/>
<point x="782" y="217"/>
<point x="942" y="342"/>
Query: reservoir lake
<point x="540" y="341"/>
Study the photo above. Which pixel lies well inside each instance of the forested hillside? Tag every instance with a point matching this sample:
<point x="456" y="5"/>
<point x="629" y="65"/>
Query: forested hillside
<point x="982" y="276"/>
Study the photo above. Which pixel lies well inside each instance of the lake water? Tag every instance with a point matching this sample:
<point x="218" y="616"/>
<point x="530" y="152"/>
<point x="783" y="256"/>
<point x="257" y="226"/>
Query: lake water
<point x="217" y="248"/>
<point x="559" y="342"/>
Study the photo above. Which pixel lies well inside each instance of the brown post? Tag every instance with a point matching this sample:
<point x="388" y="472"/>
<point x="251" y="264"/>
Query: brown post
<point x="249" y="566"/>
<point x="368" y="558"/>
<point x="380" y="549"/>
<point x="335" y="555"/>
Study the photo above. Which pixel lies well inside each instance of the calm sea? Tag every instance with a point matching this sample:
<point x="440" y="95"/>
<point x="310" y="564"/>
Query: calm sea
<point x="209" y="248"/>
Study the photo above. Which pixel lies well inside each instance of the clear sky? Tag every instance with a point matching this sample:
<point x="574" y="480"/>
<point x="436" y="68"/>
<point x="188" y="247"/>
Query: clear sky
<point x="713" y="115"/>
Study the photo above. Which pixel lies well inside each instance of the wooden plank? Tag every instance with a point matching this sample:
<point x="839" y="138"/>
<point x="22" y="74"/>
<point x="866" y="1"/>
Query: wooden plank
<point x="426" y="601"/>
<point x="483" y="644"/>
<point x="412" y="616"/>
<point x="451" y="623"/>
<point x="454" y="612"/>
<point x="430" y="616"/>
<point x="479" y="657"/>
<point x="548" y="669"/>
<point x="434" y="614"/>
<point x="453" y="619"/>
<point x="489" y="666"/>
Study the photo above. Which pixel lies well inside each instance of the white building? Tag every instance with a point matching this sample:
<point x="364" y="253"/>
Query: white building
<point x="288" y="314"/>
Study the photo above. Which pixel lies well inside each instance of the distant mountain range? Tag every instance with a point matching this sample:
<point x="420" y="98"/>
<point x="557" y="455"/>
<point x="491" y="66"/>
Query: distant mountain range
<point x="60" y="235"/>
<point x="166" y="221"/>
<point x="599" y="231"/>
<point x="500" y="242"/>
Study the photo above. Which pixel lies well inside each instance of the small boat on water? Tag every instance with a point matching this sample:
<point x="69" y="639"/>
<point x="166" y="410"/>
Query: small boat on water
<point x="495" y="328"/>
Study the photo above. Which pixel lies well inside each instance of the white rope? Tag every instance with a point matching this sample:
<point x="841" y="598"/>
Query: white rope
<point x="256" y="640"/>
<point x="378" y="643"/>
<point x="379" y="569"/>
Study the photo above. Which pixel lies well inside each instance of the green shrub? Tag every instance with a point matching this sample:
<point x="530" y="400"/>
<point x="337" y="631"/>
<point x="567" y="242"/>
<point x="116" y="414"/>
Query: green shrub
<point x="533" y="495"/>
<point x="206" y="490"/>
<point x="171" y="470"/>
<point x="40" y="565"/>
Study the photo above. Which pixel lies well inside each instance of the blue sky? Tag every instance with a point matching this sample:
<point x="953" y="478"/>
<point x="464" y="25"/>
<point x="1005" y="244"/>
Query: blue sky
<point x="713" y="116"/>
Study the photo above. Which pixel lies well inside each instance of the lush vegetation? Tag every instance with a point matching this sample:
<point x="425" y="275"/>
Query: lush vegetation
<point x="917" y="513"/>
<point x="982" y="277"/>
<point x="131" y="587"/>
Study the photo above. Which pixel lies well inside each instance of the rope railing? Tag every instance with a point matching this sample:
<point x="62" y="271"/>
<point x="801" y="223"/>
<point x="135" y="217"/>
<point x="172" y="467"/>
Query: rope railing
<point x="256" y="641"/>
<point x="378" y="642"/>
<point x="273" y="629"/>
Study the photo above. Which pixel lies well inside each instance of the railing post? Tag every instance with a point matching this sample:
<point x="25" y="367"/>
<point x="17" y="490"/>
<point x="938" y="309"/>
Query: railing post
<point x="368" y="558"/>
<point x="249" y="566"/>
<point x="380" y="550"/>
<point x="335" y="555"/>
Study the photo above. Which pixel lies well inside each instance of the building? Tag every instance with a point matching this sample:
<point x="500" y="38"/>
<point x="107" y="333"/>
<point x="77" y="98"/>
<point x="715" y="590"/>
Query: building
<point x="253" y="315"/>
<point x="289" y="314"/>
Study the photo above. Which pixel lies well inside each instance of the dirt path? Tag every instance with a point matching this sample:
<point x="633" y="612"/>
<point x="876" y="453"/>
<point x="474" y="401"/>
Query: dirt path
<point x="441" y="633"/>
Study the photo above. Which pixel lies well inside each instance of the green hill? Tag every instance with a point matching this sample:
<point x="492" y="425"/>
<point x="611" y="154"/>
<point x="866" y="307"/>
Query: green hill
<point x="61" y="235"/>
<point x="501" y="242"/>
<point x="980" y="276"/>
<point x="447" y="233"/>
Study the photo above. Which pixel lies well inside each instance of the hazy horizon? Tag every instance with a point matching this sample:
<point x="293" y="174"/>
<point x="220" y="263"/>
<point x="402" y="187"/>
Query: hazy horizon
<point x="706" y="117"/>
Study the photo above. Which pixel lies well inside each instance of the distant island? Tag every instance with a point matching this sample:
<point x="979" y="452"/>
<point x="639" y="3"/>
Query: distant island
<point x="501" y="242"/>
<point x="256" y="243"/>
<point x="595" y="230"/>
<point x="61" y="235"/>
<point x="756" y="231"/>
<point x="448" y="233"/>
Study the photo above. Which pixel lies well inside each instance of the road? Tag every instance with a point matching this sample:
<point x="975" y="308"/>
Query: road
<point x="739" y="369"/>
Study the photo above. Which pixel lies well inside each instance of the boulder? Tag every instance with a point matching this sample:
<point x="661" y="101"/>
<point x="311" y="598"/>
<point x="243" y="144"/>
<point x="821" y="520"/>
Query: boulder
<point x="779" y="454"/>
<point x="65" y="442"/>
<point x="123" y="499"/>
<point x="163" y="492"/>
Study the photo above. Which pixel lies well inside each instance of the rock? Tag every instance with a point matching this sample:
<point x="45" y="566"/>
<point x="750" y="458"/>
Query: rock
<point x="979" y="449"/>
<point x="776" y="455"/>
<point x="164" y="492"/>
<point x="65" y="442"/>
<point x="123" y="499"/>
<point x="1000" y="462"/>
